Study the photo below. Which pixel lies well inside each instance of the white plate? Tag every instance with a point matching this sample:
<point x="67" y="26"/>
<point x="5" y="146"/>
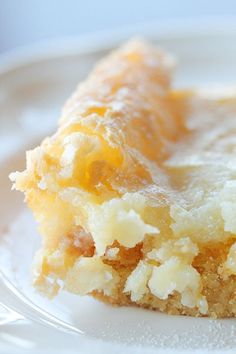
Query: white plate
<point x="33" y="88"/>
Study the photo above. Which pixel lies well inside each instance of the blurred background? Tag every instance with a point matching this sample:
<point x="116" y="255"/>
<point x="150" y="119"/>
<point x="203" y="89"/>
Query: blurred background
<point x="24" y="22"/>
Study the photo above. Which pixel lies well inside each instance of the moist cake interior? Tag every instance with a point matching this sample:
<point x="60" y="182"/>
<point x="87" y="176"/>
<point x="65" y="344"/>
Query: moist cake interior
<point x="135" y="194"/>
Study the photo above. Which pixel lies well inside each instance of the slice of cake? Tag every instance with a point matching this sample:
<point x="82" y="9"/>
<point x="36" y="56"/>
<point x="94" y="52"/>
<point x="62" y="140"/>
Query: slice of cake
<point x="135" y="194"/>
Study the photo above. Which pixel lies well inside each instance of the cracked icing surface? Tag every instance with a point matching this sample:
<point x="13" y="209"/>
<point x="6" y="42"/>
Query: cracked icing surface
<point x="136" y="166"/>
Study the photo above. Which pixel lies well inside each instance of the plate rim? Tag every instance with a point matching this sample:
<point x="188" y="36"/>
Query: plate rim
<point x="206" y="26"/>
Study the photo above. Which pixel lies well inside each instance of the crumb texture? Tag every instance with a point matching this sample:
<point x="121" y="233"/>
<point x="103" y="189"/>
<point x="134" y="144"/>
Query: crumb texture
<point x="135" y="194"/>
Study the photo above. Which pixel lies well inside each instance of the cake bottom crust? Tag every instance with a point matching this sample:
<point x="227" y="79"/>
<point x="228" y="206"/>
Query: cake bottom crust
<point x="217" y="286"/>
<point x="172" y="305"/>
<point x="220" y="291"/>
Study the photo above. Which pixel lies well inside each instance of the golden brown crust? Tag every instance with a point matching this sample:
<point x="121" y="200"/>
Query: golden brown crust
<point x="220" y="293"/>
<point x="135" y="193"/>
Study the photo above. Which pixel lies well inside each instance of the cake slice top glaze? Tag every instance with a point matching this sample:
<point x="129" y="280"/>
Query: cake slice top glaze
<point x="137" y="188"/>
